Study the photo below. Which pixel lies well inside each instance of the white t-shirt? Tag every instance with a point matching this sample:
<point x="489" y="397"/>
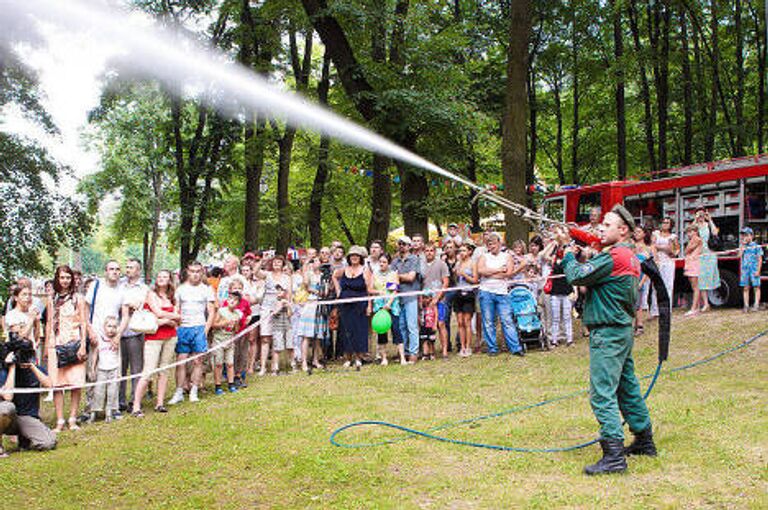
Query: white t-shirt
<point x="108" y="302"/>
<point x="135" y="295"/>
<point x="494" y="284"/>
<point x="109" y="357"/>
<point x="193" y="301"/>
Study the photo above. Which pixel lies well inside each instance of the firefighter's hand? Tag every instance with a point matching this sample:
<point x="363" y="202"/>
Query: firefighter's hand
<point x="562" y="236"/>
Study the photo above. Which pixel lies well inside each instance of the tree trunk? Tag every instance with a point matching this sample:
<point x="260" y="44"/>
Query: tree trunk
<point x="530" y="168"/>
<point x="760" y="43"/>
<point x="621" y="120"/>
<point x="474" y="208"/>
<point x="158" y="199"/>
<point x="187" y="195"/>
<point x="739" y="99"/>
<point x="712" y="121"/>
<point x="381" y="200"/>
<point x="301" y="70"/>
<point x="381" y="185"/>
<point x="661" y="18"/>
<point x="575" y="89"/>
<point x="687" y="92"/>
<point x="513" y="144"/>
<point x="145" y="253"/>
<point x="559" y="135"/>
<point x="702" y="106"/>
<point x="645" y="91"/>
<point x="254" y="167"/>
<point x="321" y="177"/>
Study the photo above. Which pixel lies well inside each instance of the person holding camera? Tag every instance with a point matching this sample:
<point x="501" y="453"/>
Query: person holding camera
<point x="20" y="412"/>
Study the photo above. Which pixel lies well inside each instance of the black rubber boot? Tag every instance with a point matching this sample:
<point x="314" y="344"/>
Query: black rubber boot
<point x="613" y="460"/>
<point x="642" y="445"/>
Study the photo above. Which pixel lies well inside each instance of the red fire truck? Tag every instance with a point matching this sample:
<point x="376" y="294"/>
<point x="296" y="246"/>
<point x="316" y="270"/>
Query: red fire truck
<point x="734" y="192"/>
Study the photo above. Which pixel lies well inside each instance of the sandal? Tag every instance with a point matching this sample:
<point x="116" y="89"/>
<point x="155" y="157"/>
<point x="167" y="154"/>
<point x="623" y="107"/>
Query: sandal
<point x="137" y="414"/>
<point x="59" y="425"/>
<point x="72" y="422"/>
<point x="639" y="330"/>
<point x="161" y="409"/>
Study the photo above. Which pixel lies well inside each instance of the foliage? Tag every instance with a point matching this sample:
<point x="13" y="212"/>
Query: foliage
<point x="34" y="216"/>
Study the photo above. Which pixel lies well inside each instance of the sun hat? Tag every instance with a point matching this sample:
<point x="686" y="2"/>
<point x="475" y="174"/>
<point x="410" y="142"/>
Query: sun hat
<point x="357" y="250"/>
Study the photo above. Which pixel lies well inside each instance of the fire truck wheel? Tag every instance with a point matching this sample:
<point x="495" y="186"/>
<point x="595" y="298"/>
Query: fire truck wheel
<point x="728" y="294"/>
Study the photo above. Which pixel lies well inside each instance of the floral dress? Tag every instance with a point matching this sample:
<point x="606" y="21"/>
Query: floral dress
<point x="66" y="328"/>
<point x="709" y="275"/>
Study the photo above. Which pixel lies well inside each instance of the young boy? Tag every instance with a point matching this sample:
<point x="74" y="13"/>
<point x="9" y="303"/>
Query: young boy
<point x="751" y="255"/>
<point x="225" y="326"/>
<point x="107" y="368"/>
<point x="281" y="329"/>
<point x="427" y="327"/>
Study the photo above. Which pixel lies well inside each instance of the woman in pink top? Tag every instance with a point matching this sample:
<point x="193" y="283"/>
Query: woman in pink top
<point x="159" y="348"/>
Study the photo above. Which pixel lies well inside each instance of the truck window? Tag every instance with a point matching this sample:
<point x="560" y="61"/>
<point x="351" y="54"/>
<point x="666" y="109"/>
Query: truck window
<point x="554" y="208"/>
<point x="587" y="202"/>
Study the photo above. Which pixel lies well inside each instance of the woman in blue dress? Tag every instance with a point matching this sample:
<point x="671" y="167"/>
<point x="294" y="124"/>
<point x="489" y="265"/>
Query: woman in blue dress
<point x="353" y="281"/>
<point x="709" y="275"/>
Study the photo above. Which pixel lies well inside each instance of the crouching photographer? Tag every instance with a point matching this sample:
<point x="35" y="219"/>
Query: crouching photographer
<point x="20" y="412"/>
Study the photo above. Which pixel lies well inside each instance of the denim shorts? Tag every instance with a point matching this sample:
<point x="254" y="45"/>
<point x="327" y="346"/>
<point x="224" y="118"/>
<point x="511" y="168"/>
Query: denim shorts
<point x="191" y="340"/>
<point x="442" y="311"/>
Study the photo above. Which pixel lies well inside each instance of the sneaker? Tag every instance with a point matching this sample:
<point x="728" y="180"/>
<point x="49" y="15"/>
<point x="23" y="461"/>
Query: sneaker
<point x="177" y="398"/>
<point x="218" y="391"/>
<point x="193" y="394"/>
<point x="117" y="415"/>
<point x="232" y="388"/>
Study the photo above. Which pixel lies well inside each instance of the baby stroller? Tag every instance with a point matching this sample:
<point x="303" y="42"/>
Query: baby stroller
<point x="526" y="314"/>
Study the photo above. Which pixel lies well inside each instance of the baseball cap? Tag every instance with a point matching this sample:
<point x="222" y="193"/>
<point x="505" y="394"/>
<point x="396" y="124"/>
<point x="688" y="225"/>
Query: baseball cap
<point x="747" y="230"/>
<point x="405" y="239"/>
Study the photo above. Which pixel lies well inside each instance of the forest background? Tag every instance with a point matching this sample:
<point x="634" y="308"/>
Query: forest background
<point x="506" y="93"/>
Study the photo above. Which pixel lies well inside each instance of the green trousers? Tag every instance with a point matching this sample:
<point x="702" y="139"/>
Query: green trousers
<point x="614" y="390"/>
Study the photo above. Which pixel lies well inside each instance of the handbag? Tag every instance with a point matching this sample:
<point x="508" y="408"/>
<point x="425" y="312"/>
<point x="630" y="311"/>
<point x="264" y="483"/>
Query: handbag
<point x="143" y="321"/>
<point x="714" y="243"/>
<point x="548" y="286"/>
<point x="67" y="354"/>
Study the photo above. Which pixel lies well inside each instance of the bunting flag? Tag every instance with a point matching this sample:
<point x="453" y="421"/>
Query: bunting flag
<point x="434" y="183"/>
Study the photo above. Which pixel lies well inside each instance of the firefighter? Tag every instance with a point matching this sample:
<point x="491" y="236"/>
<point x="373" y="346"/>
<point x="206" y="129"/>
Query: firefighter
<point x="611" y="278"/>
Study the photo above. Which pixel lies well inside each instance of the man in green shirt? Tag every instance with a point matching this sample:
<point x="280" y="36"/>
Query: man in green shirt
<point x="611" y="278"/>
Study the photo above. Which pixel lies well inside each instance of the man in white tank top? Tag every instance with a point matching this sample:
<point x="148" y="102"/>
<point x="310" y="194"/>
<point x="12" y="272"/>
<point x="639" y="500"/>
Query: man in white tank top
<point x="495" y="268"/>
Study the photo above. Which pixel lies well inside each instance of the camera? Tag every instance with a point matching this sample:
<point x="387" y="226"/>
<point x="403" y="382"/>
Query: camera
<point x="22" y="349"/>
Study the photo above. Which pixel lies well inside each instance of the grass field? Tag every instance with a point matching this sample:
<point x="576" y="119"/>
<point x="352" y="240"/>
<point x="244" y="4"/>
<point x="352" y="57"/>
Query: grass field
<point x="267" y="446"/>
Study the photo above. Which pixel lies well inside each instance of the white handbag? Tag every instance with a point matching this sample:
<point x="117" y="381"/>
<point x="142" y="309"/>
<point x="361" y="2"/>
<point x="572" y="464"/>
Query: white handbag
<point x="143" y="321"/>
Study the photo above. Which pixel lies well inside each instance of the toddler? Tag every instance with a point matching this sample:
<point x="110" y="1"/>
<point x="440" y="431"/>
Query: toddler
<point x="107" y="369"/>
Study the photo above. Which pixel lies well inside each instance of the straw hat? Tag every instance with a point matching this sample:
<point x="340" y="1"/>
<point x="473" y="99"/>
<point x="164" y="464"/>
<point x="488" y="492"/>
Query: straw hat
<point x="357" y="250"/>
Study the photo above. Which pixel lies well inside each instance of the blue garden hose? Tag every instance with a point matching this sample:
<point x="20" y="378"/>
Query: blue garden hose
<point x="429" y="433"/>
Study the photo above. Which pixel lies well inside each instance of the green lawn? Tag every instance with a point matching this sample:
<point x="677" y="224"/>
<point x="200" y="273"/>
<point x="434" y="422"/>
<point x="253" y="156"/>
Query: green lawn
<point x="268" y="445"/>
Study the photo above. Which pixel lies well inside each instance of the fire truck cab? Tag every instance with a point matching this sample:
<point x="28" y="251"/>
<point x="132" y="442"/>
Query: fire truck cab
<point x="734" y="192"/>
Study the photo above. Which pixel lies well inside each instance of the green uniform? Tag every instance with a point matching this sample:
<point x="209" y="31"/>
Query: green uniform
<point x="611" y="279"/>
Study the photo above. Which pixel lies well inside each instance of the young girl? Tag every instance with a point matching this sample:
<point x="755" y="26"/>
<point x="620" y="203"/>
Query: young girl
<point x="664" y="247"/>
<point x="427" y="326"/>
<point x="465" y="274"/>
<point x="385" y="283"/>
<point x="23" y="319"/>
<point x="642" y="237"/>
<point x="105" y="395"/>
<point x="692" y="253"/>
<point x="273" y="278"/>
<point x="313" y="322"/>
<point x="561" y="303"/>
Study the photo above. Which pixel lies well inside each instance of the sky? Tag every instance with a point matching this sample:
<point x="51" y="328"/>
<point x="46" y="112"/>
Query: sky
<point x="69" y="67"/>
